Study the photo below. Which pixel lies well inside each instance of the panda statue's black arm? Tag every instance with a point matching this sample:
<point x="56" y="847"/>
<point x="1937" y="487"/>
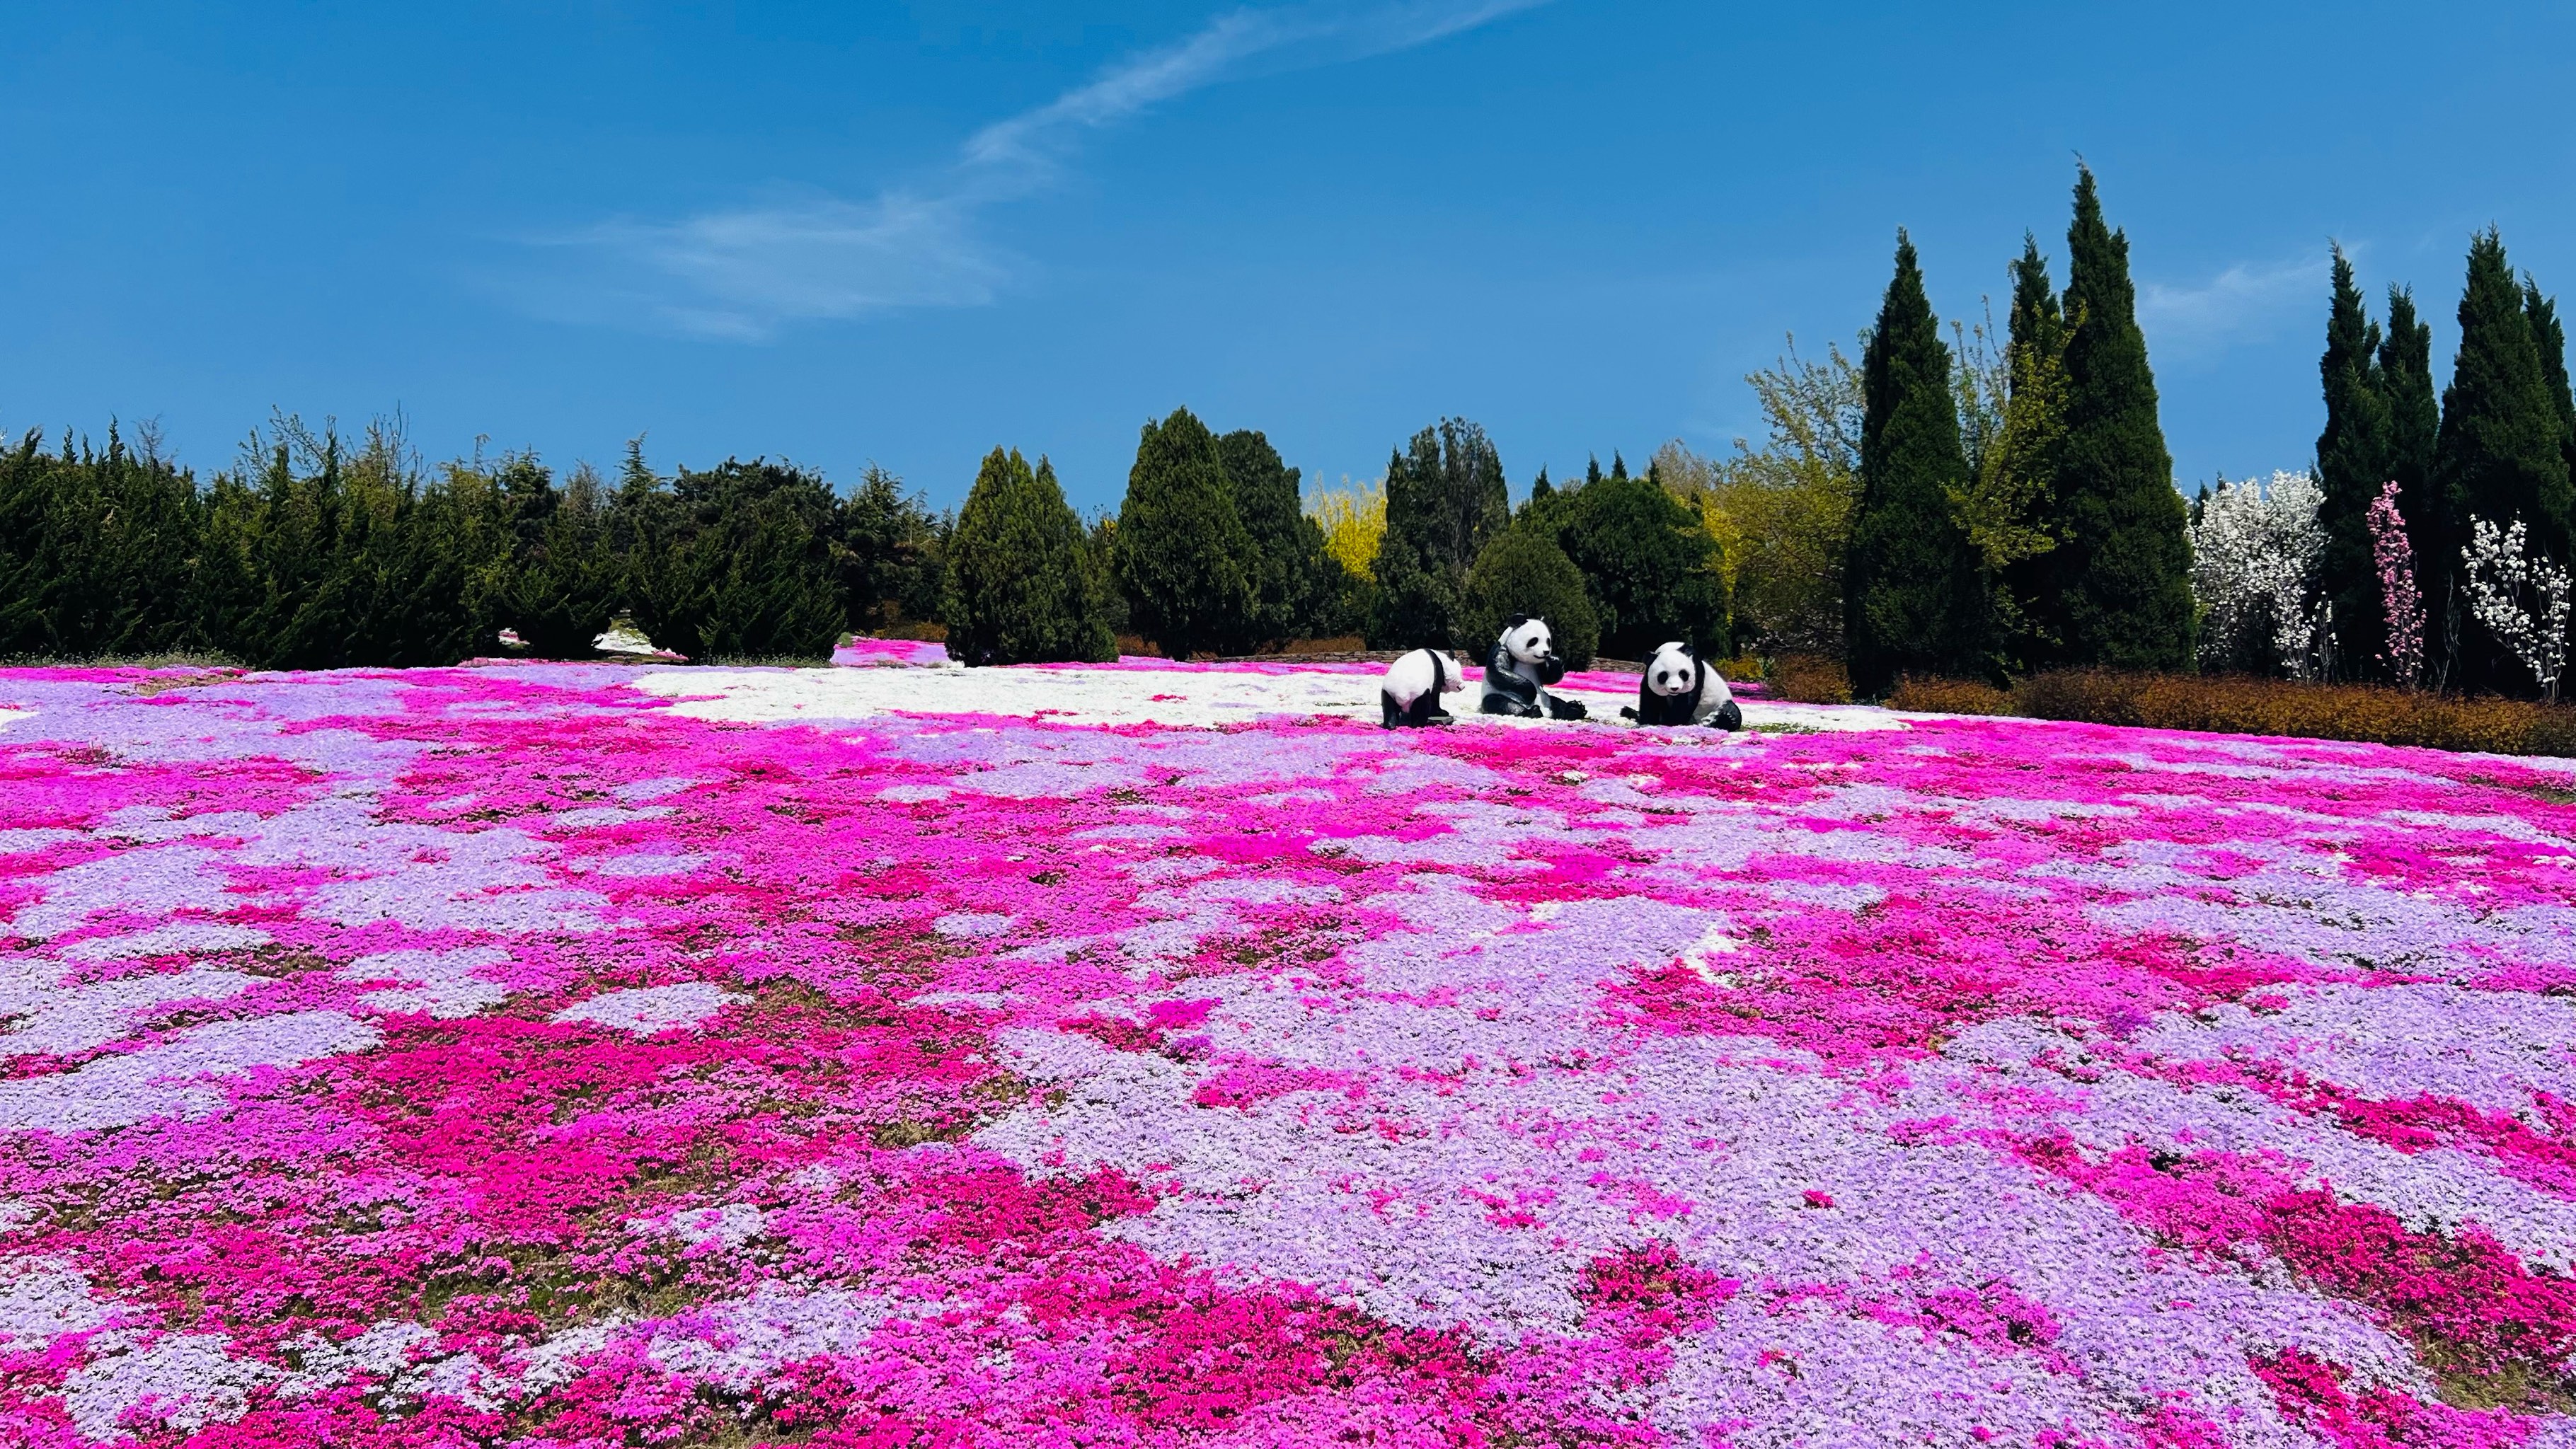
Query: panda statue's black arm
<point x="1506" y="692"/>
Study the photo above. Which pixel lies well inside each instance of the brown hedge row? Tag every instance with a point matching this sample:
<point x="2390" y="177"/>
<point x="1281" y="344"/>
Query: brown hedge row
<point x="2239" y="705"/>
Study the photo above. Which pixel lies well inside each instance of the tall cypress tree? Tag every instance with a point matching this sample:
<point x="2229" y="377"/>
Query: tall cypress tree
<point x="2036" y="324"/>
<point x="1019" y="590"/>
<point x="2414" y="421"/>
<point x="2352" y="464"/>
<point x="2551" y="338"/>
<point x="2035" y="349"/>
<point x="1445" y="496"/>
<point x="2117" y="587"/>
<point x="1293" y="577"/>
<point x="1911" y="596"/>
<point x="1182" y="553"/>
<point x="2499" y="455"/>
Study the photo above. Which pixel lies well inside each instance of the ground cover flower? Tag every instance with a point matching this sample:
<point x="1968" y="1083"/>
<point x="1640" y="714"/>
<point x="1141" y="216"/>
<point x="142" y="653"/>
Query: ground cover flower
<point x="574" y="1055"/>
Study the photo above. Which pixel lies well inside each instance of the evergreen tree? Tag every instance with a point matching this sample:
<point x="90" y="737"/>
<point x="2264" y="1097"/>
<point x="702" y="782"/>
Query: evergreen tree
<point x="1445" y="496"/>
<point x="2551" y="338"/>
<point x="2036" y="324"/>
<point x="2500" y="454"/>
<point x="2414" y="422"/>
<point x="1911" y="600"/>
<point x="1649" y="570"/>
<point x="1019" y="582"/>
<point x="1522" y="571"/>
<point x="562" y="584"/>
<point x="2352" y="463"/>
<point x="2117" y="588"/>
<point x="2008" y="507"/>
<point x="1293" y="578"/>
<point x="736" y="562"/>
<point x="96" y="552"/>
<point x="1183" y="556"/>
<point x="892" y="566"/>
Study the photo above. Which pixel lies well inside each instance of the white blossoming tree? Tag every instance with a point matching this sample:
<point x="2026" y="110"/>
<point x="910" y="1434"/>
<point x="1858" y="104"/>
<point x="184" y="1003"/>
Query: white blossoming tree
<point x="2254" y="552"/>
<point x="2521" y="597"/>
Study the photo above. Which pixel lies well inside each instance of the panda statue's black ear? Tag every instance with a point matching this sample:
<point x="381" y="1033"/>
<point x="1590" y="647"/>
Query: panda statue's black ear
<point x="1515" y="621"/>
<point x="1689" y="651"/>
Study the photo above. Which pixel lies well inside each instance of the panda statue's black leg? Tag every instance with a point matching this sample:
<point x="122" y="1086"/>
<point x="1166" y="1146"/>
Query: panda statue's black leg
<point x="1729" y="718"/>
<point x="1394" y="713"/>
<point x="1566" y="708"/>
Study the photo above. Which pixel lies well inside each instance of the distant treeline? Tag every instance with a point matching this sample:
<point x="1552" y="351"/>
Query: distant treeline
<point x="318" y="551"/>
<point x="321" y="551"/>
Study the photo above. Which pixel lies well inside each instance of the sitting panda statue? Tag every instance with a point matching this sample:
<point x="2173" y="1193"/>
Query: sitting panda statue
<point x="1410" y="694"/>
<point x="1680" y="690"/>
<point x="1519" y="670"/>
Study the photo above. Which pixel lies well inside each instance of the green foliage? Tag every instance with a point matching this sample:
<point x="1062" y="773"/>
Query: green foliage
<point x="893" y="565"/>
<point x="2116" y="590"/>
<point x="2004" y="510"/>
<point x="2500" y="454"/>
<point x="1020" y="575"/>
<point x="1182" y="554"/>
<point x="1781" y="514"/>
<point x="95" y="552"/>
<point x="317" y="557"/>
<point x="2353" y="462"/>
<point x="562" y="584"/>
<point x="1651" y="572"/>
<point x="733" y="563"/>
<point x="1522" y="571"/>
<point x="1293" y="579"/>
<point x="1445" y="496"/>
<point x="1100" y="570"/>
<point x="316" y="553"/>
<point x="2414" y="422"/>
<point x="1913" y="602"/>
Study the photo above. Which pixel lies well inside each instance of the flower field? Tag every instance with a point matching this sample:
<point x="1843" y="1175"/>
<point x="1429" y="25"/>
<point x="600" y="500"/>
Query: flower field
<point x="877" y="1056"/>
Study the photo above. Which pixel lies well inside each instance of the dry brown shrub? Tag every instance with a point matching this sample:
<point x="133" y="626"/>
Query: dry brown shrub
<point x="1809" y="679"/>
<point x="2237" y="704"/>
<point x="1950" y="696"/>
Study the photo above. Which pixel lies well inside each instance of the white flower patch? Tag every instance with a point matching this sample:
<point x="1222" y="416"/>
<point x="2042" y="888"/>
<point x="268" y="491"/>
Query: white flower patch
<point x="72" y="1019"/>
<point x="383" y="1351"/>
<point x="737" y="1345"/>
<point x="645" y="1010"/>
<point x="41" y="1299"/>
<point x="729" y="1226"/>
<point x="179" y="1077"/>
<point x="444" y="984"/>
<point x="174" y="939"/>
<point x="184" y="1380"/>
<point x="971" y="925"/>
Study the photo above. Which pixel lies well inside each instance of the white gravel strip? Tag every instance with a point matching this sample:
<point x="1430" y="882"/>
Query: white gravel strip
<point x="1178" y="697"/>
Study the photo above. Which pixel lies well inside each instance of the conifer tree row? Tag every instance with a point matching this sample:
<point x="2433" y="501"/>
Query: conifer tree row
<point x="313" y="553"/>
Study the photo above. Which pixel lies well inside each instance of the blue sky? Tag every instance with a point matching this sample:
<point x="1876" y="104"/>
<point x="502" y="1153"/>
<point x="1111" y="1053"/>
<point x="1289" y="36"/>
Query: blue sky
<point x="837" y="233"/>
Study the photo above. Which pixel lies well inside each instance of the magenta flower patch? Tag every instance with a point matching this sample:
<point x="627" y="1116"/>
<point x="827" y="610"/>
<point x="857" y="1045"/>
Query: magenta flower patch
<point x="569" y="1055"/>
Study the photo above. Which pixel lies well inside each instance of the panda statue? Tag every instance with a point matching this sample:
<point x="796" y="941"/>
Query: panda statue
<point x="1680" y="690"/>
<point x="1519" y="670"/>
<point x="1410" y="694"/>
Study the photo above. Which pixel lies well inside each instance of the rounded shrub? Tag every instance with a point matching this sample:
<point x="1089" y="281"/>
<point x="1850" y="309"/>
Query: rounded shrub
<point x="1650" y="569"/>
<point x="1522" y="571"/>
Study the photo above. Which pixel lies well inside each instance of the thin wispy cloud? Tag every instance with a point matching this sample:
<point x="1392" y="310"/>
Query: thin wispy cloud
<point x="2246" y="302"/>
<point x="746" y="271"/>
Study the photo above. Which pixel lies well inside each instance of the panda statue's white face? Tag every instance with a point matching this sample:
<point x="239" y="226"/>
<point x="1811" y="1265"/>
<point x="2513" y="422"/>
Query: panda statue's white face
<point x="1529" y="641"/>
<point x="1674" y="671"/>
